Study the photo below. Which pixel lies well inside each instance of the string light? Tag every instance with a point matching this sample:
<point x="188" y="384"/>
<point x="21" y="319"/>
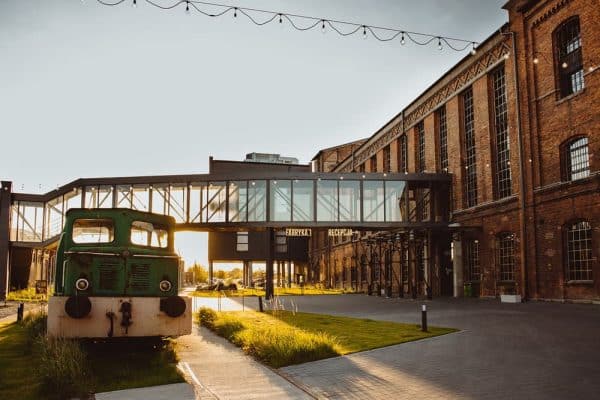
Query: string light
<point x="134" y="4"/>
<point x="564" y="64"/>
<point x="304" y="23"/>
<point x="536" y="60"/>
<point x="187" y="7"/>
<point x="474" y="49"/>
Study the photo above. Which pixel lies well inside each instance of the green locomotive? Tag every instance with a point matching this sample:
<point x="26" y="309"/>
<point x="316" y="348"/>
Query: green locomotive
<point x="117" y="275"/>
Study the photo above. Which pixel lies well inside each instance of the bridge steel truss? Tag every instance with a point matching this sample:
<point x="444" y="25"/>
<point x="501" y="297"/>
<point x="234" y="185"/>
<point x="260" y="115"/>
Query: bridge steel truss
<point x="237" y="202"/>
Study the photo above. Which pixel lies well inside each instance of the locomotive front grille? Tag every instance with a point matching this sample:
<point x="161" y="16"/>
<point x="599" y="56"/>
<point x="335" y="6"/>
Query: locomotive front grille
<point x="108" y="276"/>
<point x="140" y="276"/>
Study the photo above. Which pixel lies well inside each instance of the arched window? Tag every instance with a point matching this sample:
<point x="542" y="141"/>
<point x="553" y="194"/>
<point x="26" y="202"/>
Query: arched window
<point x="506" y="256"/>
<point x="568" y="57"/>
<point x="579" y="251"/>
<point x="576" y="159"/>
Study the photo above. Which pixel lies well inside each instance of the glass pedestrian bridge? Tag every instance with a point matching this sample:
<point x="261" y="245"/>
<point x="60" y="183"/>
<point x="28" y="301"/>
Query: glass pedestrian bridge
<point x="245" y="201"/>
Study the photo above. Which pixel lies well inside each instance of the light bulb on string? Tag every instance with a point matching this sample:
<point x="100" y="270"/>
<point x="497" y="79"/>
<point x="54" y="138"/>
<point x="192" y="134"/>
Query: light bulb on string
<point x="506" y="55"/>
<point x="536" y="60"/>
<point x="402" y="41"/>
<point x="323" y="30"/>
<point x="440" y="44"/>
<point x="474" y="49"/>
<point x="235" y="12"/>
<point x="564" y="64"/>
<point x="280" y="19"/>
<point x="364" y="31"/>
<point x="134" y="4"/>
<point x="187" y="7"/>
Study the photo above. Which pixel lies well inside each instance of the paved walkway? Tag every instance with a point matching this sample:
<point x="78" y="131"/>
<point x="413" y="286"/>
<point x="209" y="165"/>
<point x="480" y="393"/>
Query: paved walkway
<point x="504" y="351"/>
<point x="222" y="371"/>
<point x="176" y="391"/>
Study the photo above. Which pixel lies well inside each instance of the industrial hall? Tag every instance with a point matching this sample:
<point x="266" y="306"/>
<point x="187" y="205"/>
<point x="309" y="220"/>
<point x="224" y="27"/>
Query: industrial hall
<point x="485" y="185"/>
<point x="516" y="126"/>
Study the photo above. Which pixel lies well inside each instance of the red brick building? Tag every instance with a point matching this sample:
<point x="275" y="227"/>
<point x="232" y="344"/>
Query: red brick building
<point x="517" y="125"/>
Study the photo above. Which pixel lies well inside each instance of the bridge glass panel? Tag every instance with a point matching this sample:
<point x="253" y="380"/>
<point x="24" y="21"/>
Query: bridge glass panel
<point x="160" y="199"/>
<point x="105" y="196"/>
<point x="281" y="200"/>
<point x="177" y="200"/>
<point x="140" y="198"/>
<point x="238" y="201"/>
<point x="373" y="201"/>
<point x="91" y="197"/>
<point x="54" y="217"/>
<point x="349" y="201"/>
<point x="327" y="200"/>
<point x="30" y="221"/>
<point x="217" y="198"/>
<point x="257" y="201"/>
<point x="394" y="195"/>
<point x="73" y="199"/>
<point x="303" y="191"/>
<point x="197" y="203"/>
<point x="124" y="193"/>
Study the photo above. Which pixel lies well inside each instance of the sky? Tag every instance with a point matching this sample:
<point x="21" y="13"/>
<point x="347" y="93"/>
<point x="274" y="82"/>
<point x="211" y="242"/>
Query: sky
<point x="92" y="91"/>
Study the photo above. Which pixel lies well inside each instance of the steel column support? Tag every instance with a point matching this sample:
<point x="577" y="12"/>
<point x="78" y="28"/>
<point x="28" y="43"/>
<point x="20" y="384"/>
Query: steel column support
<point x="5" y="195"/>
<point x="269" y="292"/>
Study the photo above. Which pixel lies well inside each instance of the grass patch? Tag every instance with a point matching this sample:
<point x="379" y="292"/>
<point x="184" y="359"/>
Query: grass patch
<point x="250" y="292"/>
<point x="130" y="364"/>
<point x="33" y="366"/>
<point x="282" y="338"/>
<point x="17" y="374"/>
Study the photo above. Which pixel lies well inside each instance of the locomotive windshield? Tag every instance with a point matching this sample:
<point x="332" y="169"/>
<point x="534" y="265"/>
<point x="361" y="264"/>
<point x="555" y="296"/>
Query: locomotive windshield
<point x="93" y="231"/>
<point x="146" y="234"/>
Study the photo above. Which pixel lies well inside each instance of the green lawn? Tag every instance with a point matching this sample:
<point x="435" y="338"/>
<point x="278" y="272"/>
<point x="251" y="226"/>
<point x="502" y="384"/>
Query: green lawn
<point x="113" y="366"/>
<point x="250" y="292"/>
<point x="282" y="338"/>
<point x="17" y="363"/>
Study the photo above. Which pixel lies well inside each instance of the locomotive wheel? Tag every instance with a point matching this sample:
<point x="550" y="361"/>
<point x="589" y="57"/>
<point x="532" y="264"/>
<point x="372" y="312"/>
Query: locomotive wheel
<point x="78" y="306"/>
<point x="173" y="306"/>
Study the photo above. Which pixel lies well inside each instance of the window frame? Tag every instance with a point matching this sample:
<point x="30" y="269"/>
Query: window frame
<point x="505" y="276"/>
<point x="154" y="228"/>
<point x="114" y="236"/>
<point x="567" y="159"/>
<point x="574" y="59"/>
<point x="566" y="247"/>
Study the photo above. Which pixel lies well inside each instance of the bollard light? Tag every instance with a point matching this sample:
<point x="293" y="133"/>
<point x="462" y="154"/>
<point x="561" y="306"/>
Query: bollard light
<point x="424" y="318"/>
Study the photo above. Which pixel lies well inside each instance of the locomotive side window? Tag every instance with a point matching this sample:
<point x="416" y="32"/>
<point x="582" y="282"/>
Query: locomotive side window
<point x="93" y="231"/>
<point x="146" y="234"/>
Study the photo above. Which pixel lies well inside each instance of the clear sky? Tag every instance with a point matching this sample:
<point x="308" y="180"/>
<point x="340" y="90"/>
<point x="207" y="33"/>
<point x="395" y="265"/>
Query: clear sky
<point x="90" y="91"/>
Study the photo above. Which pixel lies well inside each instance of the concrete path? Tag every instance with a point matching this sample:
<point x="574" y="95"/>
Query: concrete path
<point x="503" y="351"/>
<point x="176" y="391"/>
<point x="222" y="371"/>
<point x="224" y="303"/>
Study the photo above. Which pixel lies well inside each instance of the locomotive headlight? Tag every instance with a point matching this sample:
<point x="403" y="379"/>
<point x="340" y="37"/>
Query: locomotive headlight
<point x="165" y="285"/>
<point x="82" y="284"/>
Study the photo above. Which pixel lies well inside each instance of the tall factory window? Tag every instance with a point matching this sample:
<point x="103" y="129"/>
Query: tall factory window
<point x="473" y="265"/>
<point x="576" y="159"/>
<point x="503" y="179"/>
<point x="374" y="163"/>
<point x="579" y="251"/>
<point x="402" y="154"/>
<point x="386" y="159"/>
<point x="506" y="256"/>
<point x="568" y="58"/>
<point x="420" y="147"/>
<point x="470" y="162"/>
<point x="442" y="138"/>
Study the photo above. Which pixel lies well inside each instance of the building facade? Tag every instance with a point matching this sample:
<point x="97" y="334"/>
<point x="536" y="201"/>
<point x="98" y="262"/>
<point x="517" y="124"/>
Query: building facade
<point x="516" y="124"/>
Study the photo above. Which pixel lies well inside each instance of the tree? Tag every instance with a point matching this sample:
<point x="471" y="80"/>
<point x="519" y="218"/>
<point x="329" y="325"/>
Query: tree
<point x="235" y="273"/>
<point x="199" y="273"/>
<point x="220" y="274"/>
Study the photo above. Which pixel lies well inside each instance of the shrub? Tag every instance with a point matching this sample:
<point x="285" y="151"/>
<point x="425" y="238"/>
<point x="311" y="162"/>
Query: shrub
<point x="63" y="367"/>
<point x="207" y="317"/>
<point x="26" y="295"/>
<point x="35" y="327"/>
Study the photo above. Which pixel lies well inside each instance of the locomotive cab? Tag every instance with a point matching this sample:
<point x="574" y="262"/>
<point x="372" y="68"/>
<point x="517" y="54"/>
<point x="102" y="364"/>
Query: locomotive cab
<point x="117" y="274"/>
